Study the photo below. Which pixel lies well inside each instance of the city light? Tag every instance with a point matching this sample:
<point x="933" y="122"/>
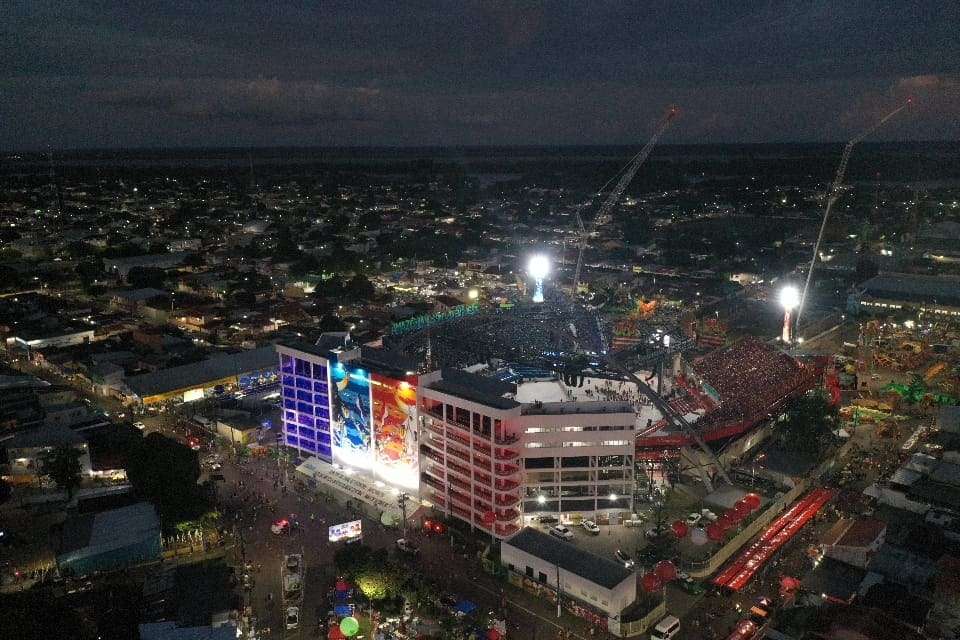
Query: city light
<point x="613" y="497"/>
<point x="541" y="499"/>
<point x="473" y="294"/>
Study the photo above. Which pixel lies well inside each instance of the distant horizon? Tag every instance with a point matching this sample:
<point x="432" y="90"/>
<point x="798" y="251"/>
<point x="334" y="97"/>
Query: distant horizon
<point x="7" y="153"/>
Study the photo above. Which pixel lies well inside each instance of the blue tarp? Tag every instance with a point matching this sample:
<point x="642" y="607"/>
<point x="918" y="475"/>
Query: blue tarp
<point x="466" y="607"/>
<point x="343" y="610"/>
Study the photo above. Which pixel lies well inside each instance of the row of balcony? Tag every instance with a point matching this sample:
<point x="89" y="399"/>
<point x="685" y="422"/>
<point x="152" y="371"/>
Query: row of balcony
<point x="477" y="446"/>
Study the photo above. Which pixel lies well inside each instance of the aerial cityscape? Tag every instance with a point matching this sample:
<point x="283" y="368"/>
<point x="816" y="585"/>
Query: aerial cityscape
<point x="482" y="320"/>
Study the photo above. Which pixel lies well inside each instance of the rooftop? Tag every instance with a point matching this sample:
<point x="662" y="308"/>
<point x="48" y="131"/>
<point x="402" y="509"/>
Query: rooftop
<point x="48" y="436"/>
<point x="109" y="530"/>
<point x="908" y="286"/>
<point x="606" y="573"/>
<point x="566" y="408"/>
<point x="200" y="373"/>
<point x="855" y="533"/>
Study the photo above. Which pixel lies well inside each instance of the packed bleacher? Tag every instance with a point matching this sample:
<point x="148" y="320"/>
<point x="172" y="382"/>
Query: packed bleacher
<point x="752" y="379"/>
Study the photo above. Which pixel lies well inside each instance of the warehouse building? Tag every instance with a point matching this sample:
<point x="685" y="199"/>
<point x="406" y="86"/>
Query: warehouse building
<point x="245" y="370"/>
<point x="936" y="296"/>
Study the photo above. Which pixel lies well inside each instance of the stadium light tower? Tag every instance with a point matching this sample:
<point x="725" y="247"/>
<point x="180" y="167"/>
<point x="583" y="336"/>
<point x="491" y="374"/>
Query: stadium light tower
<point x="538" y="267"/>
<point x="789" y="300"/>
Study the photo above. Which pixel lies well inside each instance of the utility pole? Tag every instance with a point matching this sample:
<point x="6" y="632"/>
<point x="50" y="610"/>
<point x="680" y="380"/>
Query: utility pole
<point x="402" y="501"/>
<point x="559" y="609"/>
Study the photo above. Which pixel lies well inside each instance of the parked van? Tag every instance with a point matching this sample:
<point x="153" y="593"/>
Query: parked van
<point x="666" y="628"/>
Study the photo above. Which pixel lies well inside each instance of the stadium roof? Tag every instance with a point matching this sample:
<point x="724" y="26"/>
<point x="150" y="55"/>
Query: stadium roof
<point x="606" y="573"/>
<point x="915" y="288"/>
<point x="564" y="408"/>
<point x="197" y="374"/>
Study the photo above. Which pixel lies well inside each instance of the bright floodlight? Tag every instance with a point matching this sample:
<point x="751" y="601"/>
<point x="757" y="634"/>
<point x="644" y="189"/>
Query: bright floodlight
<point x="538" y="267"/>
<point x="789" y="297"/>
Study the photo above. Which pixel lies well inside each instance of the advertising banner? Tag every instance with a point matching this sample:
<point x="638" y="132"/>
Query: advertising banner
<point x="345" y="531"/>
<point x="395" y="432"/>
<point x="352" y="431"/>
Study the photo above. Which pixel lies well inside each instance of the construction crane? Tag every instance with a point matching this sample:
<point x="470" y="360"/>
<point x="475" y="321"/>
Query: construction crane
<point x="834" y="194"/>
<point x="626" y="175"/>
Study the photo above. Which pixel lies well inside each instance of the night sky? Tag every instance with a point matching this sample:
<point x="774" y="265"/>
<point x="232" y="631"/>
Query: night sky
<point x="218" y="73"/>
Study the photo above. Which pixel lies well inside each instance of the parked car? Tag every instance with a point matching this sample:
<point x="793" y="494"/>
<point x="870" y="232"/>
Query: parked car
<point x="708" y="515"/>
<point x="547" y="519"/>
<point x="561" y="532"/>
<point x="633" y="522"/>
<point x="293" y="562"/>
<point x="694" y="519"/>
<point x="280" y="527"/>
<point x="655" y="532"/>
<point x="293" y="617"/>
<point x="140" y="425"/>
<point x="406" y="546"/>
<point x="591" y="527"/>
<point x="624" y="559"/>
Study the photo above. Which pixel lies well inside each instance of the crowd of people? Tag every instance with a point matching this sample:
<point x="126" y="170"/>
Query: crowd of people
<point x="751" y="378"/>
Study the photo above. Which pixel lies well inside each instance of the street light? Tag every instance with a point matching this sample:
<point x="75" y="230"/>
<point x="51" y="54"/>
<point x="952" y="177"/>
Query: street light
<point x="541" y="499"/>
<point x="538" y="267"/>
<point x="789" y="300"/>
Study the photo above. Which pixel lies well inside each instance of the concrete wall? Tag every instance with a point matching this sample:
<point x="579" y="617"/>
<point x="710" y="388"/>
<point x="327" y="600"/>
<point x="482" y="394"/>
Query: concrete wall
<point x="612" y="601"/>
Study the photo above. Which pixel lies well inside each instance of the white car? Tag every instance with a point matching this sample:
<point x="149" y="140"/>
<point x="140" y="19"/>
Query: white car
<point x="624" y="559"/>
<point x="140" y="425"/>
<point x="561" y="532"/>
<point x="293" y="617"/>
<point x="694" y="519"/>
<point x="708" y="515"/>
<point x="293" y="562"/>
<point x="590" y="526"/>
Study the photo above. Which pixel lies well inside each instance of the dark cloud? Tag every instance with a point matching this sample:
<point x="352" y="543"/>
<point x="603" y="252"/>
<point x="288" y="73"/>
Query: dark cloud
<point x="470" y="72"/>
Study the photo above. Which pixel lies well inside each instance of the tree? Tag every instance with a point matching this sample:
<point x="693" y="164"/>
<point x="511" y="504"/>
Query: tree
<point x="62" y="465"/>
<point x="359" y="287"/>
<point x="808" y="424"/>
<point x="332" y="323"/>
<point x="165" y="472"/>
<point x="88" y="270"/>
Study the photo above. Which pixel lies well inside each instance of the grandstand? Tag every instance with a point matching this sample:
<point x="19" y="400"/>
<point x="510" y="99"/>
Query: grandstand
<point x="729" y="391"/>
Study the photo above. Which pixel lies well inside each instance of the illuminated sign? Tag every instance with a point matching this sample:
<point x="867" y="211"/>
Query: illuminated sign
<point x="352" y="429"/>
<point x="395" y="431"/>
<point x="422" y="322"/>
<point x="345" y="531"/>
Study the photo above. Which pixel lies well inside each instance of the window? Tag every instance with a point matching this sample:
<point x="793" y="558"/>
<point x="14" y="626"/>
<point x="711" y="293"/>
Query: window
<point x="529" y="572"/>
<point x="575" y="461"/>
<point x="542" y="576"/>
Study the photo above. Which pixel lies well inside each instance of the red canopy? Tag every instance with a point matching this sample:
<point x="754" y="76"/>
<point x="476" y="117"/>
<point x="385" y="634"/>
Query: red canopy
<point x="665" y="570"/>
<point x="752" y="500"/>
<point x="335" y="634"/>
<point x="651" y="582"/>
<point x="680" y="529"/>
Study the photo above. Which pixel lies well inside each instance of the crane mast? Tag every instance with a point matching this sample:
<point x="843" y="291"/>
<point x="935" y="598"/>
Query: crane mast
<point x="625" y="177"/>
<point x="834" y="195"/>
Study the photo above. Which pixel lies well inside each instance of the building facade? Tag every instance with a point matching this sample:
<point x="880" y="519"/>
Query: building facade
<point x="496" y="463"/>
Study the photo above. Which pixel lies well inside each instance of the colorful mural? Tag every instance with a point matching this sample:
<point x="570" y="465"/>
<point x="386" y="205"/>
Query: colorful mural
<point x="395" y="432"/>
<point x="352" y="433"/>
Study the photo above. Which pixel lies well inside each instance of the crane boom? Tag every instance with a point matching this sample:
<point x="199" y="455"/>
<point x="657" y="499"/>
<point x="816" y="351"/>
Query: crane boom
<point x="834" y="194"/>
<point x="626" y="176"/>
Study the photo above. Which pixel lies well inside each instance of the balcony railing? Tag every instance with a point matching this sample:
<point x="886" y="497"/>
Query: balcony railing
<point x="507" y="454"/>
<point x="505" y="485"/>
<point x="503" y="470"/>
<point x="507" y="515"/>
<point x="508" y="439"/>
<point x="507" y="500"/>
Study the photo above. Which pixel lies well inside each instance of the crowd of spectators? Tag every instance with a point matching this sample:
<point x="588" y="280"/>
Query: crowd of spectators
<point x="752" y="379"/>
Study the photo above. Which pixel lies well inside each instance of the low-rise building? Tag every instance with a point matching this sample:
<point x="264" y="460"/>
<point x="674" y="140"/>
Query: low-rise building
<point x="596" y="582"/>
<point x="109" y="540"/>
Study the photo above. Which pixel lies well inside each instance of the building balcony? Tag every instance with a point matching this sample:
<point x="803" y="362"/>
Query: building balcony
<point x="505" y="485"/>
<point x="482" y="478"/>
<point x="459" y="470"/>
<point x="504" y="470"/>
<point x="431" y="454"/>
<point x="432" y="482"/>
<point x="507" y="515"/>
<point x="459" y="454"/>
<point x="506" y="439"/>
<point x="507" y="454"/>
<point x="436" y="412"/>
<point x="462" y="484"/>
<point x="462" y="499"/>
<point x="505" y="530"/>
<point x="508" y="500"/>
